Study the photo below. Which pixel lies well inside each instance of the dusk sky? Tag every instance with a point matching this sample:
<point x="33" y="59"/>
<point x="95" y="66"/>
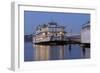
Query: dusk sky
<point x="72" y="21"/>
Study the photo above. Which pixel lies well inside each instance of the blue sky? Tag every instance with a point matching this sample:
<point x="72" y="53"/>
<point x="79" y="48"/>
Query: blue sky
<point x="72" y="21"/>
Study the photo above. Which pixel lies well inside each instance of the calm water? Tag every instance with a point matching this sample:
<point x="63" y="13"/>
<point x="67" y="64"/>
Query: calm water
<point x="35" y="53"/>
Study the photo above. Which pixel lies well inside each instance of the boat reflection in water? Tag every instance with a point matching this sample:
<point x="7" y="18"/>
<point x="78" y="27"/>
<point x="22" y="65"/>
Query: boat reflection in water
<point x="43" y="52"/>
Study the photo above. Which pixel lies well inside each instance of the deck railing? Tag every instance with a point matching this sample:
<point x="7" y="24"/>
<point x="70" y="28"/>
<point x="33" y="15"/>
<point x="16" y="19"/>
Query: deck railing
<point x="49" y="38"/>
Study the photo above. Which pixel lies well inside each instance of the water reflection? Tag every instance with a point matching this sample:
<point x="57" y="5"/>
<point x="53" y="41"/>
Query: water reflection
<point x="41" y="52"/>
<point x="34" y="52"/>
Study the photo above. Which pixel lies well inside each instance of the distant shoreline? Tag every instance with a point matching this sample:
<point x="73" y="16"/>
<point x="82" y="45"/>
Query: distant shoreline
<point x="28" y="38"/>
